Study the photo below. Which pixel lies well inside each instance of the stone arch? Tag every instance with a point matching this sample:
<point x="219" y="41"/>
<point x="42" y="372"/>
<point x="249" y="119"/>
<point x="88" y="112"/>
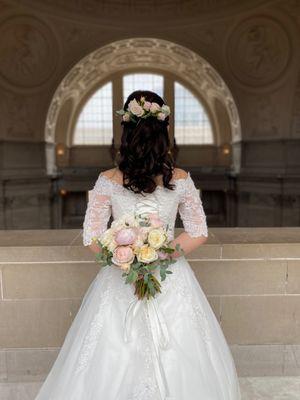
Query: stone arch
<point x="142" y="52"/>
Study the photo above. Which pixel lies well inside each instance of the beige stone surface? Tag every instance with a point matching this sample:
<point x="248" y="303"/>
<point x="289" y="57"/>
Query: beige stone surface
<point x="261" y="251"/>
<point x="293" y="277"/>
<point x="252" y="388"/>
<point x="228" y="277"/>
<point x="35" y="323"/>
<point x="261" y="319"/>
<point x="45" y="254"/>
<point x="215" y="303"/>
<point x="44" y="280"/>
<point x="28" y="365"/>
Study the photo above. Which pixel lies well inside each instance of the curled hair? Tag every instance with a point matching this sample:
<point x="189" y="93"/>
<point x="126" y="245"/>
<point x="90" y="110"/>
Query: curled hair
<point x="145" y="149"/>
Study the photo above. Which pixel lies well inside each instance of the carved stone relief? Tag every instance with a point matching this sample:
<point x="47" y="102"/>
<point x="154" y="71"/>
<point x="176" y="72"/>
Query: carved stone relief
<point x="4" y="7"/>
<point x="258" y="51"/>
<point x="29" y="53"/>
<point x="142" y="52"/>
<point x="264" y="116"/>
<point x="18" y="123"/>
<point x="144" y="11"/>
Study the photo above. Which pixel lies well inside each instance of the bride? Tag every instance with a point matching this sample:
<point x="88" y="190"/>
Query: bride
<point x="170" y="347"/>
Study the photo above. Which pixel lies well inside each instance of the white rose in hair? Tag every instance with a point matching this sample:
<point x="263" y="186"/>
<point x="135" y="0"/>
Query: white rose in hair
<point x="135" y="108"/>
<point x="165" y="109"/>
<point x="161" y="116"/>
<point x="154" y="107"/>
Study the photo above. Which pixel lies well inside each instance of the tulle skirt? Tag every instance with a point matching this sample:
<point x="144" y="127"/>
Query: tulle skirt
<point x="120" y="348"/>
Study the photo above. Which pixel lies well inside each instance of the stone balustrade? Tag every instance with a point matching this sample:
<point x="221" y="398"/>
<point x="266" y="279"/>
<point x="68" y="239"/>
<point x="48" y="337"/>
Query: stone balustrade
<point x="251" y="277"/>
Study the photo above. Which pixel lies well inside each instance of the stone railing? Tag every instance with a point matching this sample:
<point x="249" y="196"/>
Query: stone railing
<point x="251" y="277"/>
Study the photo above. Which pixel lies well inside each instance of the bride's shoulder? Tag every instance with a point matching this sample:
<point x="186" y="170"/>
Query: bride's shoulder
<point x="180" y="173"/>
<point x="109" y="173"/>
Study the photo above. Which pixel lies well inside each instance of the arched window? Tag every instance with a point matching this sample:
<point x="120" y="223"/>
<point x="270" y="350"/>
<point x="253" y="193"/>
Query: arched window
<point x="191" y="124"/>
<point x="152" y="82"/>
<point x="94" y="125"/>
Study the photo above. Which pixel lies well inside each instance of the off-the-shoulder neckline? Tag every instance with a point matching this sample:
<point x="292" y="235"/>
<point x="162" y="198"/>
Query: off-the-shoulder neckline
<point x="157" y="186"/>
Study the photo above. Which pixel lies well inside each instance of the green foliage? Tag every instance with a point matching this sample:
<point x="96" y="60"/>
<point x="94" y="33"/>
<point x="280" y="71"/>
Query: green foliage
<point x="142" y="275"/>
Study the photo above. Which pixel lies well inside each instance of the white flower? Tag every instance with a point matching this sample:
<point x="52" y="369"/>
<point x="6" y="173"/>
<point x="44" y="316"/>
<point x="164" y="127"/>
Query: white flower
<point x="165" y="109"/>
<point x="156" y="238"/>
<point x="124" y="221"/>
<point x="107" y="239"/>
<point x="135" y="108"/>
<point x="154" y="107"/>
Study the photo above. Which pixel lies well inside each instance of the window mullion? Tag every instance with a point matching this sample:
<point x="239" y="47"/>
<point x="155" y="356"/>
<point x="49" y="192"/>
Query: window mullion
<point x="170" y="100"/>
<point x="117" y="104"/>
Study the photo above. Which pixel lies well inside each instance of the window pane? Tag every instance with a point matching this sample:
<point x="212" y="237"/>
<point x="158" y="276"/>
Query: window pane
<point x="192" y="125"/>
<point x="133" y="82"/>
<point x="94" y="125"/>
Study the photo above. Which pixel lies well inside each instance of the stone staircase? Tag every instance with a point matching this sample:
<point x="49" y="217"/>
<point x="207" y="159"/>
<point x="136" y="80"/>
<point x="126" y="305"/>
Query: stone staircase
<point x="251" y="278"/>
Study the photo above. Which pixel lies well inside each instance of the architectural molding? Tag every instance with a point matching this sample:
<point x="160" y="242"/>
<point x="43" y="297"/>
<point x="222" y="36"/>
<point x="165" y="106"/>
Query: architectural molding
<point x="154" y="54"/>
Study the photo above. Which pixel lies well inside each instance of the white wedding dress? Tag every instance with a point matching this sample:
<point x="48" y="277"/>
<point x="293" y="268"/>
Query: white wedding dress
<point x="120" y="348"/>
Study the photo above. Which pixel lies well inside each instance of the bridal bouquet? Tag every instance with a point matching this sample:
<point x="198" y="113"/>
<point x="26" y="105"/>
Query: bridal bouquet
<point x="139" y="246"/>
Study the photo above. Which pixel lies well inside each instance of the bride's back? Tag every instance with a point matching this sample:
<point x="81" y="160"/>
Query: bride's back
<point x="110" y="197"/>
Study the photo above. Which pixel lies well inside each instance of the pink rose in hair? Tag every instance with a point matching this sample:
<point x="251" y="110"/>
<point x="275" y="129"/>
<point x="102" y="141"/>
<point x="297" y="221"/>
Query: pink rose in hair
<point x="161" y="116"/>
<point x="147" y="105"/>
<point x="154" y="107"/>
<point x="125" y="236"/>
<point x="126" y="117"/>
<point x="122" y="255"/>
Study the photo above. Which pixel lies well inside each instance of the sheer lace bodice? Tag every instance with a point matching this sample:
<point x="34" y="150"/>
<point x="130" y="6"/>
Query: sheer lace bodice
<point x="109" y="197"/>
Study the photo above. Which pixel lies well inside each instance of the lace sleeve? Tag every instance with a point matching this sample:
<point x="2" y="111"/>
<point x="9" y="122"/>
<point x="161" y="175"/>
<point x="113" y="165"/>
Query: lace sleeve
<point x="98" y="211"/>
<point x="191" y="210"/>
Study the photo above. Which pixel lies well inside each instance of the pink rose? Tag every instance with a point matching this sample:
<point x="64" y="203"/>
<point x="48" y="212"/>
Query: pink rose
<point x="162" y="255"/>
<point x="154" y="107"/>
<point x="161" y="116"/>
<point x="147" y="105"/>
<point x="155" y="221"/>
<point x="125" y="236"/>
<point x="122" y="255"/>
<point x="126" y="117"/>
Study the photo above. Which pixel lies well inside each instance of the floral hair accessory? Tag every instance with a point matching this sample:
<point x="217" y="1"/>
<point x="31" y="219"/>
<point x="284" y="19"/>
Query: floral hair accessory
<point x="144" y="109"/>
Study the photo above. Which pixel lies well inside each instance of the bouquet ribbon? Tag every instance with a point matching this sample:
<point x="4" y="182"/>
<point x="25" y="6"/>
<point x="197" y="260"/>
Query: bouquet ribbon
<point x="160" y="334"/>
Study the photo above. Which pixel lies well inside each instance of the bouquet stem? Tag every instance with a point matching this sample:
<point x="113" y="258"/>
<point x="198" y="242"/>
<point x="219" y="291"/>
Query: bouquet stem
<point x="147" y="289"/>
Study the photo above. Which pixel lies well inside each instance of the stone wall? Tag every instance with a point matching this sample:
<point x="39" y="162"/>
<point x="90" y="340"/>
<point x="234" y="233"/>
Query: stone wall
<point x="253" y="46"/>
<point x="250" y="277"/>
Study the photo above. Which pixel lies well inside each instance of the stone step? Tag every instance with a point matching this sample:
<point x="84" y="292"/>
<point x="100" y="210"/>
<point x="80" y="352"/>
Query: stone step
<point x="33" y="365"/>
<point x="251" y="277"/>
<point x="252" y="388"/>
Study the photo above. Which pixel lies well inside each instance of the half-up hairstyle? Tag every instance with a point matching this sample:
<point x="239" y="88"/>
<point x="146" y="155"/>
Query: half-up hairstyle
<point x="145" y="149"/>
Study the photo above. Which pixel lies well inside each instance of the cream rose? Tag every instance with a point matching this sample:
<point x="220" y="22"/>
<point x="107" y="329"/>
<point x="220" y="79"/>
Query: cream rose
<point x="147" y="254"/>
<point x="165" y="109"/>
<point x="135" y="108"/>
<point x="108" y="240"/>
<point x="156" y="238"/>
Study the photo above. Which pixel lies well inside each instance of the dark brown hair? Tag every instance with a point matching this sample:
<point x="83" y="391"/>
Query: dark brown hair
<point x="145" y="150"/>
